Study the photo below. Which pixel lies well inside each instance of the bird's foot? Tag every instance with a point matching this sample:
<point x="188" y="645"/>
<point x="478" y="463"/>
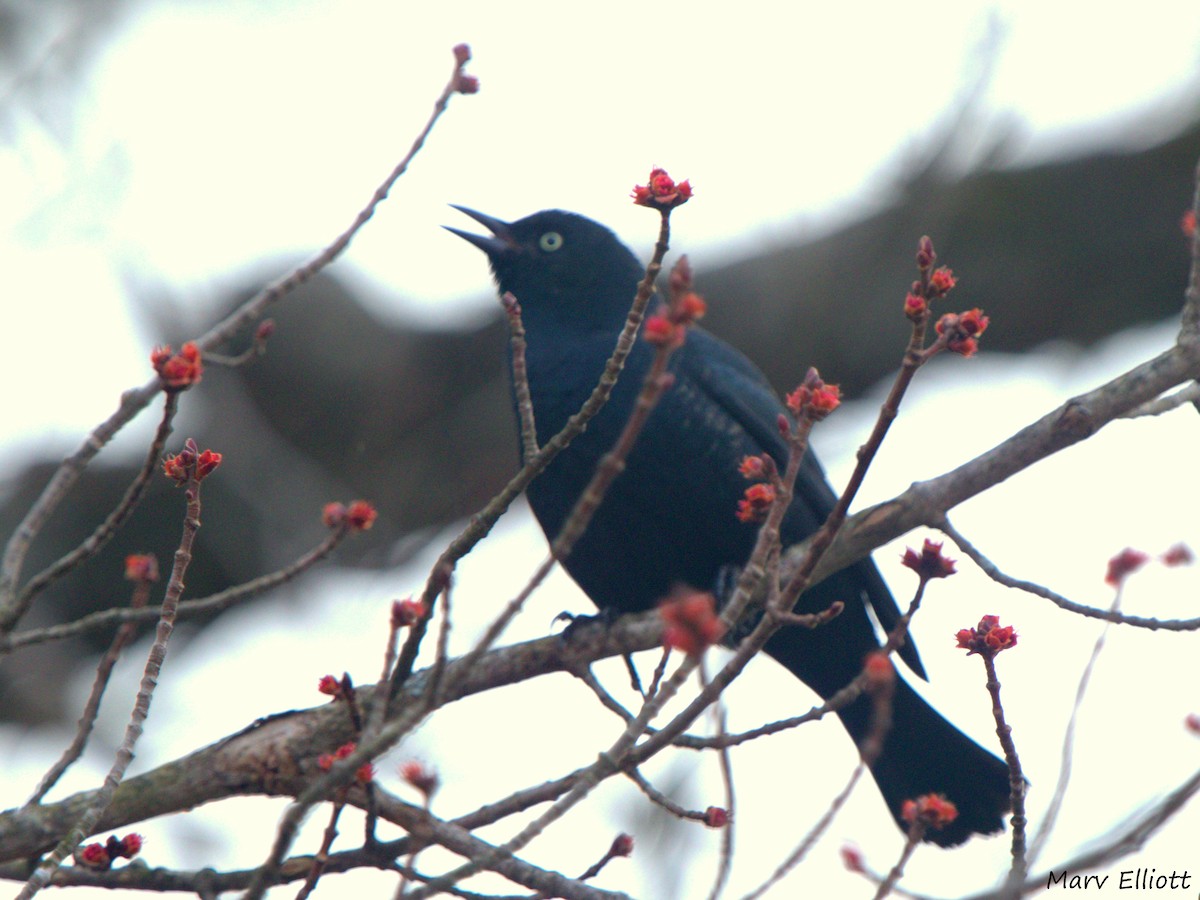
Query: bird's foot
<point x="576" y="621"/>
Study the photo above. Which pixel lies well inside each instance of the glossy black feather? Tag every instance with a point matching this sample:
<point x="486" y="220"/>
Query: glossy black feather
<point x="669" y="517"/>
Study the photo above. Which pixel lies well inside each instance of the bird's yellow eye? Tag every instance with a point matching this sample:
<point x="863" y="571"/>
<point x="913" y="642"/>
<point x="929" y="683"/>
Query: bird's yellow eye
<point x="550" y="241"/>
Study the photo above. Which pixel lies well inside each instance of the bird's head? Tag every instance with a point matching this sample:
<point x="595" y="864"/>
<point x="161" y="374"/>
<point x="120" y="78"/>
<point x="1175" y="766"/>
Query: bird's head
<point x="560" y="266"/>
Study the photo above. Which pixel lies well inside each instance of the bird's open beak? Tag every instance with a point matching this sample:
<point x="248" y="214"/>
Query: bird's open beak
<point x="501" y="241"/>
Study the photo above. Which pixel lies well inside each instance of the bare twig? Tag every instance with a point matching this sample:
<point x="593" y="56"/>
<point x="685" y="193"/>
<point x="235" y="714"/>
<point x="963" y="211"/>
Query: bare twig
<point x="86" y="822"/>
<point x="1112" y="614"/>
<point x="520" y="377"/>
<point x="87" y="718"/>
<point x="98" y="538"/>
<point x="725" y="863"/>
<point x="1123" y="841"/>
<point x="822" y="825"/>
<point x="187" y="609"/>
<point x="1016" y="779"/>
<point x="1068" y="745"/>
<point x="915" y="832"/>
<point x="1188" y="394"/>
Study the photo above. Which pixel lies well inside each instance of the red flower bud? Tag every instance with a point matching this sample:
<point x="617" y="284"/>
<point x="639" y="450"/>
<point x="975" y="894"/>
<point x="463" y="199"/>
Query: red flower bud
<point x="987" y="638"/>
<point x="934" y="810"/>
<point x="1178" y="555"/>
<point x="852" y="858"/>
<point x="407" y="612"/>
<point x="1123" y="565"/>
<point x="692" y="623"/>
<point x="180" y="370"/>
<point x="915" y="305"/>
<point x="466" y="84"/>
<point x="925" y="255"/>
<point x="93" y="856"/>
<point x="661" y="191"/>
<point x="941" y="281"/>
<point x="756" y="502"/>
<point x="680" y="279"/>
<point x="753" y="467"/>
<point x="361" y="515"/>
<point x="206" y="463"/>
<point x="813" y="399"/>
<point x="716" y="817"/>
<point x="141" y="567"/>
<point x="879" y="670"/>
<point x="929" y="563"/>
<point x="622" y="845"/>
<point x="660" y="331"/>
<point x="423" y="778"/>
<point x="333" y="514"/>
<point x="962" y="330"/>
<point x="690" y="308"/>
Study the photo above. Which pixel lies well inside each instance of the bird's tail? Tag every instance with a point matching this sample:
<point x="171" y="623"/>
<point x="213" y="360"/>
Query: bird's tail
<point x="922" y="752"/>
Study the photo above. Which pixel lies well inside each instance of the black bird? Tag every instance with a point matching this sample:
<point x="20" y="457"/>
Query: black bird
<point x="669" y="517"/>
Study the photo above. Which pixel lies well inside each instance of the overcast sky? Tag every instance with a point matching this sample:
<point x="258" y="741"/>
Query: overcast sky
<point x="214" y="137"/>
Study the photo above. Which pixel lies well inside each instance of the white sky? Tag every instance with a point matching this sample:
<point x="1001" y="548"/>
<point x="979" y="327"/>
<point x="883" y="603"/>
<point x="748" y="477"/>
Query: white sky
<point x="210" y="141"/>
<point x="214" y="137"/>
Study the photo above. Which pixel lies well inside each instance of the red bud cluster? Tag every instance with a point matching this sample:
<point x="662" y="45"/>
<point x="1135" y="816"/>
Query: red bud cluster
<point x="813" y="399"/>
<point x="422" y="777"/>
<point x="141" y="567"/>
<point x="661" y="191"/>
<point x="692" y="623"/>
<point x="364" y="774"/>
<point x="358" y="516"/>
<point x="190" y="462"/>
<point x="932" y="810"/>
<point x="178" y="371"/>
<point x="101" y="856"/>
<point x="962" y="330"/>
<point x="716" y="817"/>
<point x="987" y="638"/>
<point x="929" y="563"/>
<point x="407" y="612"/>
<point x="1123" y="565"/>
<point x="756" y="502"/>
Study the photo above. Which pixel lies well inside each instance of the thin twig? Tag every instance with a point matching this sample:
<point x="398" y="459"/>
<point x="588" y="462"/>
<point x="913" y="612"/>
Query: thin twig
<point x="87" y="719"/>
<point x="86" y="822"/>
<point x="1188" y="394"/>
<point x="1016" y="779"/>
<point x="607" y="700"/>
<point x="106" y="529"/>
<point x="725" y="863"/>
<point x="1121" y="843"/>
<point x="520" y="377"/>
<point x="1068" y="745"/>
<point x="822" y="825"/>
<point x="915" y="832"/>
<point x="187" y="609"/>
<point x="1112" y="614"/>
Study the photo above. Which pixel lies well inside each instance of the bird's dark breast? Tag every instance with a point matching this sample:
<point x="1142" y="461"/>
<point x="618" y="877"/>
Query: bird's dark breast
<point x="680" y="478"/>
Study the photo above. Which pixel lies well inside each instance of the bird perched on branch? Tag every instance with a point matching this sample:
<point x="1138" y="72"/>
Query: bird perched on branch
<point x="669" y="517"/>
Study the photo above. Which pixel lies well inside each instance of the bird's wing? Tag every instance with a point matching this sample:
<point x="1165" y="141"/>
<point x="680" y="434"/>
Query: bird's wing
<point x="732" y="382"/>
